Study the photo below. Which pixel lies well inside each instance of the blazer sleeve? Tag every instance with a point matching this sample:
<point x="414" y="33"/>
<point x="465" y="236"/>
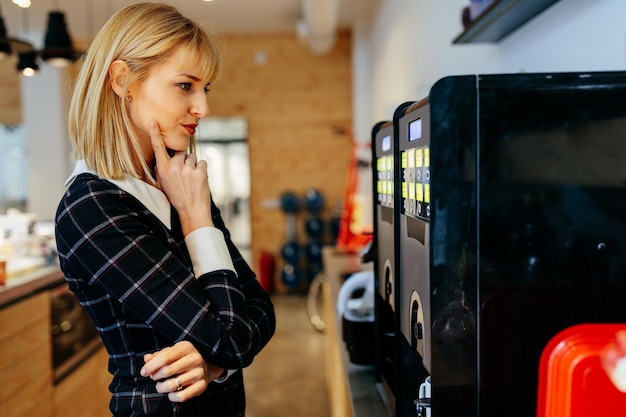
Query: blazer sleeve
<point x="260" y="308"/>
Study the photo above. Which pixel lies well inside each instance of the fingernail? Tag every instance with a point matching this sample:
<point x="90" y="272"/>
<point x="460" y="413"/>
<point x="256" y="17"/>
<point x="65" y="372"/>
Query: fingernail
<point x="143" y="372"/>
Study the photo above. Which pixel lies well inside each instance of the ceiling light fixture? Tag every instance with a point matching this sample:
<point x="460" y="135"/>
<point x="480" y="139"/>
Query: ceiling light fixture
<point x="5" y="46"/>
<point x="27" y="63"/>
<point x="27" y="59"/>
<point x="24" y="4"/>
<point x="10" y="45"/>
<point x="58" y="50"/>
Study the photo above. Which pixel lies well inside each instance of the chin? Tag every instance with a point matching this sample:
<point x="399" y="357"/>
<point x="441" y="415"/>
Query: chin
<point x="178" y="146"/>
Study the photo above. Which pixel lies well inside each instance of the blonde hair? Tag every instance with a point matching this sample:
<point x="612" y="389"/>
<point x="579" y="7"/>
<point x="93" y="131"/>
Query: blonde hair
<point x="142" y="35"/>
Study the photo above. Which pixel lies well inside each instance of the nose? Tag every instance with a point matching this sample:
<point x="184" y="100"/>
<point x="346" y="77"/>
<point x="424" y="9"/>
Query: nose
<point x="200" y="106"/>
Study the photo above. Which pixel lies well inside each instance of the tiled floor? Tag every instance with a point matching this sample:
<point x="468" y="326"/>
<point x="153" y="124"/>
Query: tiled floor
<point x="287" y="377"/>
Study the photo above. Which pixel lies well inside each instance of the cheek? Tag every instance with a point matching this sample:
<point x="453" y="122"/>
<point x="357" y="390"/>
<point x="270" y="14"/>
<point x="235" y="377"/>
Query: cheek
<point x="144" y="109"/>
<point x="139" y="114"/>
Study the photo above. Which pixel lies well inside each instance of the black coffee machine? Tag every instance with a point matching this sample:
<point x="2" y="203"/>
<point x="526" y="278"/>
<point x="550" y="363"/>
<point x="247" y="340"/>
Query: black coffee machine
<point x="510" y="228"/>
<point x="383" y="170"/>
<point x="413" y="239"/>
<point x="396" y="360"/>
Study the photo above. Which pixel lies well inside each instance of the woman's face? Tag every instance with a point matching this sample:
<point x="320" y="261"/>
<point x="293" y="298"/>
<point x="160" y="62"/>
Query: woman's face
<point x="174" y="95"/>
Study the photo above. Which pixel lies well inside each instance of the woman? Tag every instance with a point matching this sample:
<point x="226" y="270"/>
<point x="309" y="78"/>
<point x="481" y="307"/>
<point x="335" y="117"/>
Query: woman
<point x="140" y="241"/>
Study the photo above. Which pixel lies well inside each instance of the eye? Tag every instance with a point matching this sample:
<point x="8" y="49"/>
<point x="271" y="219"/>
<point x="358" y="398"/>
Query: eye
<point x="185" y="86"/>
<point x="207" y="89"/>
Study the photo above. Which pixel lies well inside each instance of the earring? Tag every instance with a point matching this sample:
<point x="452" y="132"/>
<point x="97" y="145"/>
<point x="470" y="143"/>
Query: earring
<point x="127" y="99"/>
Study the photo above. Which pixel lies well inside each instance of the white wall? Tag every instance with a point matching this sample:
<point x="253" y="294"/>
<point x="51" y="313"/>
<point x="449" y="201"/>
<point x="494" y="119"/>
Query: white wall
<point x="574" y="35"/>
<point x="410" y="47"/>
<point x="44" y="112"/>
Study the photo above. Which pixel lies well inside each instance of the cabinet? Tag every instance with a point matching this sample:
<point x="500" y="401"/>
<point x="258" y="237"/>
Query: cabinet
<point x="502" y="18"/>
<point x="352" y="389"/>
<point x="25" y="362"/>
<point x="27" y="386"/>
<point x="336" y="378"/>
<point x="85" y="391"/>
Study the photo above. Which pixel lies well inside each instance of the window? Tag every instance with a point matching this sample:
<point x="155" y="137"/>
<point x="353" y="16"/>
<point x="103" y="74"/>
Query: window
<point x="13" y="168"/>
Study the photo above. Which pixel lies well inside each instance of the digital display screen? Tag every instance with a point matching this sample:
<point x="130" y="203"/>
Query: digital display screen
<point x="386" y="143"/>
<point x="415" y="130"/>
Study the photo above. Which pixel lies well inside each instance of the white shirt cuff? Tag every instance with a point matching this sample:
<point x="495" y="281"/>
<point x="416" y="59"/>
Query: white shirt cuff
<point x="208" y="251"/>
<point x="223" y="378"/>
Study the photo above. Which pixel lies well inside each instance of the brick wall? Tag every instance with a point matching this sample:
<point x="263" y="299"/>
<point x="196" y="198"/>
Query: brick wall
<point x="10" y="98"/>
<point x="294" y="102"/>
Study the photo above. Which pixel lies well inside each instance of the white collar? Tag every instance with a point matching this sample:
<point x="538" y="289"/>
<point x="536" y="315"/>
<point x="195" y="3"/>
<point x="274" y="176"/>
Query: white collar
<point x="149" y="196"/>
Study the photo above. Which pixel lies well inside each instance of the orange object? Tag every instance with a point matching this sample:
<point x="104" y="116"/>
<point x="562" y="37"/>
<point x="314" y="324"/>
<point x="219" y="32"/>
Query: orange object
<point x="572" y="380"/>
<point x="3" y="272"/>
<point x="350" y="237"/>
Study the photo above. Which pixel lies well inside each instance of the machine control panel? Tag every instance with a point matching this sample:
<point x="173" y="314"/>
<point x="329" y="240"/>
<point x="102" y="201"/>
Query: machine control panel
<point x="384" y="170"/>
<point x="416" y="174"/>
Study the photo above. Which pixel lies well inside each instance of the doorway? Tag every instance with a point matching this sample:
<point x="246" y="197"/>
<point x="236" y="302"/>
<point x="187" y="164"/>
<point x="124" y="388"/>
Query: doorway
<point x="223" y="143"/>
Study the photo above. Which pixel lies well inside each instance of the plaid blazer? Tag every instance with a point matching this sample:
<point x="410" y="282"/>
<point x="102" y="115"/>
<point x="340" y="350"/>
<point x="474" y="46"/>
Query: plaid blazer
<point x="134" y="276"/>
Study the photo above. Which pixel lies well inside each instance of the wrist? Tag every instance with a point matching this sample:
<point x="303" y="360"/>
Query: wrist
<point x="190" y="225"/>
<point x="222" y="377"/>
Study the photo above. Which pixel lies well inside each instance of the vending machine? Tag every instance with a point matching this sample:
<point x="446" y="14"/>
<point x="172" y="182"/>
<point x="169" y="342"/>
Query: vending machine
<point x="413" y="239"/>
<point x="390" y="358"/>
<point x="511" y="230"/>
<point x="383" y="149"/>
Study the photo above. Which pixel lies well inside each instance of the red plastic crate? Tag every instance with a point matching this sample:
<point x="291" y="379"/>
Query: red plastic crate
<point x="572" y="380"/>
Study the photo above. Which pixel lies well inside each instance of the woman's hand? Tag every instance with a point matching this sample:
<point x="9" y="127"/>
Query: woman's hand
<point x="184" y="180"/>
<point x="181" y="371"/>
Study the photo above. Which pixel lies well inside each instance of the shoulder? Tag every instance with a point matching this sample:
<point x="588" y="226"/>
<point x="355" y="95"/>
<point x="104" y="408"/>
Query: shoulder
<point x="88" y="185"/>
<point x="96" y="198"/>
<point x="89" y="189"/>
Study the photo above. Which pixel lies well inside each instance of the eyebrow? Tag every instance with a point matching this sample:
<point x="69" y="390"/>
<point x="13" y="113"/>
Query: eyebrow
<point x="193" y="77"/>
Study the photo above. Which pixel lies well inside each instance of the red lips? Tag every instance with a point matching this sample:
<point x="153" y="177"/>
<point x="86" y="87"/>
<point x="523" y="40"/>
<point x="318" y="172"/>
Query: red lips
<point x="191" y="128"/>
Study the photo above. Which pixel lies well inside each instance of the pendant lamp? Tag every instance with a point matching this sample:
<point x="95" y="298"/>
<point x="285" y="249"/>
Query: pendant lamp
<point x="27" y="63"/>
<point x="5" y="47"/>
<point x="9" y="45"/>
<point x="58" y="50"/>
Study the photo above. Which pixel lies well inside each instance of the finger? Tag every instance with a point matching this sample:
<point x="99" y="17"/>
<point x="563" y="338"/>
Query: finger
<point x="157" y="177"/>
<point x="158" y="145"/>
<point x="178" y="385"/>
<point x="189" y="391"/>
<point x="157" y="361"/>
<point x="170" y="385"/>
<point x="192" y="159"/>
<point x="182" y="381"/>
<point x="172" y="361"/>
<point x="202" y="164"/>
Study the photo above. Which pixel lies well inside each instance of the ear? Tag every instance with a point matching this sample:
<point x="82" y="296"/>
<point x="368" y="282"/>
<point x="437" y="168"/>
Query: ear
<point x="118" y="72"/>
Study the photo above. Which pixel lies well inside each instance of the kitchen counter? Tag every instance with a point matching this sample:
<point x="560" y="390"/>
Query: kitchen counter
<point x="352" y="388"/>
<point x="24" y="285"/>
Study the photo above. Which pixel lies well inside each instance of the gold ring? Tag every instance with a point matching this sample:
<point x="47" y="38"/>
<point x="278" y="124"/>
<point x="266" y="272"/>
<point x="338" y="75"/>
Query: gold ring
<point x="192" y="157"/>
<point x="178" y="384"/>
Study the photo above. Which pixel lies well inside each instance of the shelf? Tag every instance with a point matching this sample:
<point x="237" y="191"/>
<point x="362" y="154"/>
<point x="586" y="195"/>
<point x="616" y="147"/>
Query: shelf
<point x="502" y="18"/>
